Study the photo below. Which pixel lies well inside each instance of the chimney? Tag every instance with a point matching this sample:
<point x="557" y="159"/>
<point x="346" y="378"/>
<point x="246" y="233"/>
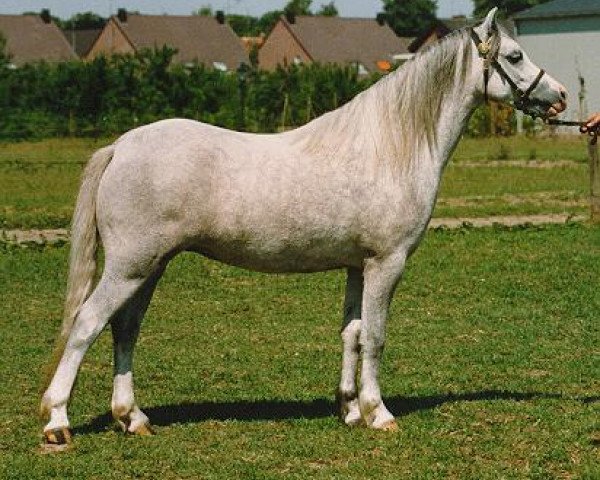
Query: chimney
<point x="220" y="16"/>
<point x="45" y="15"/>
<point x="381" y="19"/>
<point x="122" y="15"/>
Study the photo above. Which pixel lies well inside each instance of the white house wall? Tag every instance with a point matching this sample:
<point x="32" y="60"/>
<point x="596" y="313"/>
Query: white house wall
<point x="565" y="56"/>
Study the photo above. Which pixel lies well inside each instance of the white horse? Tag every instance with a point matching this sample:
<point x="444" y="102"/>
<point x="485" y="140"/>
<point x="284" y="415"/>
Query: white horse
<point x="353" y="189"/>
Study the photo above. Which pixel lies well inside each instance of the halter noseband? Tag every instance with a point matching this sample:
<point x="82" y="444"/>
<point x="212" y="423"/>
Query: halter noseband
<point x="485" y="52"/>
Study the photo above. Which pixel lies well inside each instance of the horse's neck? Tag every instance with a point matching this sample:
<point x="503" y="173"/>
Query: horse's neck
<point x="448" y="126"/>
<point x="371" y="127"/>
<point x="456" y="113"/>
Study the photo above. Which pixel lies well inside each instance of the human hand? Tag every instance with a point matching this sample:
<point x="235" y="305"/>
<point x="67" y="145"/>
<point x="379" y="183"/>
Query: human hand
<point x="591" y="123"/>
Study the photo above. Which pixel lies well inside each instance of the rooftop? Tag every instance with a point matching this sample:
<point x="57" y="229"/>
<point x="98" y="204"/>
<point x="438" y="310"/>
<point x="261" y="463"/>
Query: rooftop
<point x="196" y="38"/>
<point x="31" y="39"/>
<point x="341" y="40"/>
<point x="561" y="8"/>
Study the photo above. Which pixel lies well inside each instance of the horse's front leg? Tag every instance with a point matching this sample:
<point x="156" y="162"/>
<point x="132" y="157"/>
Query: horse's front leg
<point x="348" y="391"/>
<point x="381" y="275"/>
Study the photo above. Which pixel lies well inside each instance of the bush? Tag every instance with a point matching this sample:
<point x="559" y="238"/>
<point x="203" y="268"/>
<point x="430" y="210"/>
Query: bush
<point x="108" y="96"/>
<point x="111" y="95"/>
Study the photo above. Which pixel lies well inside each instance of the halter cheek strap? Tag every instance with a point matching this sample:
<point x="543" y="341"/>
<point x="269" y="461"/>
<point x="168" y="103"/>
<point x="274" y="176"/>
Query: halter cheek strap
<point x="485" y="52"/>
<point x="484" y="49"/>
<point x="523" y="99"/>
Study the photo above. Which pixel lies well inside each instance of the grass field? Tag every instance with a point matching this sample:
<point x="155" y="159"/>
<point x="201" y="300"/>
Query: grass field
<point x="39" y="181"/>
<point x="491" y="365"/>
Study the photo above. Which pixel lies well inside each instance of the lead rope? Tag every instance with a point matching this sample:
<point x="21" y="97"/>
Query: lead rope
<point x="592" y="132"/>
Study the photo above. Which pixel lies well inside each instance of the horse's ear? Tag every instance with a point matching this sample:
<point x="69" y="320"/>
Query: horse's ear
<point x="488" y="27"/>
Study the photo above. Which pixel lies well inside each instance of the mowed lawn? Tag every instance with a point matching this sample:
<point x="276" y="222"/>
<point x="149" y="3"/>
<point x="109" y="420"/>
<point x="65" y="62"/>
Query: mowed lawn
<point x="39" y="181"/>
<point x="492" y="368"/>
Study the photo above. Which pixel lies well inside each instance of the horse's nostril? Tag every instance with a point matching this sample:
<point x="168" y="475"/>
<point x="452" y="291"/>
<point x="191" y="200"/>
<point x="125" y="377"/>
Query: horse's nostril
<point x="563" y="94"/>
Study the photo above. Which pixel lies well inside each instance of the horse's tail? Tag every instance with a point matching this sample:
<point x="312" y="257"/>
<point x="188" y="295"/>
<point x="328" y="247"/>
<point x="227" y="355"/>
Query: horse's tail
<point x="84" y="246"/>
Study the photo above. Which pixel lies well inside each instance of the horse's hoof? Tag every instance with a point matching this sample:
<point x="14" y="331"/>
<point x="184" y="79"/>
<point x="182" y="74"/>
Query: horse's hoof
<point x="144" y="430"/>
<point x="56" y="440"/>
<point x="57" y="436"/>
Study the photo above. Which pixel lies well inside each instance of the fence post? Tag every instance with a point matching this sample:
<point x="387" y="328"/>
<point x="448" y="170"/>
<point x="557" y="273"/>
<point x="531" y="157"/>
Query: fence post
<point x="594" y="180"/>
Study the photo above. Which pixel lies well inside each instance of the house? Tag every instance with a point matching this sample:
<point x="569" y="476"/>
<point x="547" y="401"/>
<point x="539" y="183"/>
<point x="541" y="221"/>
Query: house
<point x="34" y="38"/>
<point x="562" y="37"/>
<point x="369" y="45"/>
<point x="198" y="39"/>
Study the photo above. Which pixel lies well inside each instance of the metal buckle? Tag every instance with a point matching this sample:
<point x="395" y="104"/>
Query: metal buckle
<point x="484" y="48"/>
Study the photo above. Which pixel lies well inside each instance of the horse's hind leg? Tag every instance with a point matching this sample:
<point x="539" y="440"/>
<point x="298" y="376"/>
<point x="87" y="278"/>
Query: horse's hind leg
<point x="348" y="391"/>
<point x="109" y="296"/>
<point x="125" y="329"/>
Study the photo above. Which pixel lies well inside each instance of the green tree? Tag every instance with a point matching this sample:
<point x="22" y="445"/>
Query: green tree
<point x="83" y="21"/>
<point x="244" y="25"/>
<point x="297" y="7"/>
<point x="328" y="10"/>
<point x="204" y="11"/>
<point x="505" y="7"/>
<point x="409" y="18"/>
<point x="268" y="21"/>
<point x="4" y="55"/>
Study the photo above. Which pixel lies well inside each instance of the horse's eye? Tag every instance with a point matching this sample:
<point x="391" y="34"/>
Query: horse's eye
<point x="515" y="57"/>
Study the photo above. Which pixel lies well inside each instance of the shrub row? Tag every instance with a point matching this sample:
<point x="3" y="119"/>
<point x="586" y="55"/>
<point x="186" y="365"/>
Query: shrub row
<point x="108" y="96"/>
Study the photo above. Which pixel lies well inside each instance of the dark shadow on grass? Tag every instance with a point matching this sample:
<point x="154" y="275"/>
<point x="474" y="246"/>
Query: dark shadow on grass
<point x="319" y="408"/>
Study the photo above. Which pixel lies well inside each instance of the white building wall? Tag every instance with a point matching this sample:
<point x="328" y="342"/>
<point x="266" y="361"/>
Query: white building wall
<point x="565" y="56"/>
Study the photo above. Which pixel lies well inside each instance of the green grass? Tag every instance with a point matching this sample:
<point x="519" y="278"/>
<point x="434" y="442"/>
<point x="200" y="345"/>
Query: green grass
<point x="468" y="191"/>
<point x="568" y="147"/>
<point x="472" y="190"/>
<point x="39" y="180"/>
<point x="491" y="366"/>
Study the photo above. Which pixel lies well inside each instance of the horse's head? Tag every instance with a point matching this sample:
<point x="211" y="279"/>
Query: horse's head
<point x="509" y="74"/>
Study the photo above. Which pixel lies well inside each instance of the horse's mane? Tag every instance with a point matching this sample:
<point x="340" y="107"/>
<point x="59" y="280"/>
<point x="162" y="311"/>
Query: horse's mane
<point x="396" y="117"/>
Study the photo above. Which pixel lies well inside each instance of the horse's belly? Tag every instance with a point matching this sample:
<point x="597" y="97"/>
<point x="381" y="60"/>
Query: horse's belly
<point x="279" y="256"/>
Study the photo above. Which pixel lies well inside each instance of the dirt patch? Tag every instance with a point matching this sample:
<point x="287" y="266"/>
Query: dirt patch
<point x="40" y="237"/>
<point x="520" y="163"/>
<point x="554" y="199"/>
<point x="506" y="220"/>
